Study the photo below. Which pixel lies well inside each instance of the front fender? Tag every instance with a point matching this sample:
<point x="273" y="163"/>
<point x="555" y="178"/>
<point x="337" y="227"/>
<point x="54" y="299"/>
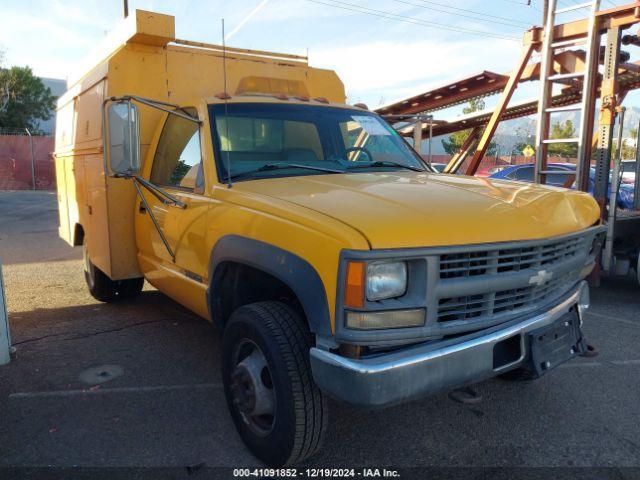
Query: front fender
<point x="295" y="272"/>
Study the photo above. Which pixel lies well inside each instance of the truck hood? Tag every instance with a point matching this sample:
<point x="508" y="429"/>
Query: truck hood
<point x="398" y="209"/>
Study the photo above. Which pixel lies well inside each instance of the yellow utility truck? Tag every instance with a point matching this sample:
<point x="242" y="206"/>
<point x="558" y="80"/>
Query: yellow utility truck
<point x="333" y="259"/>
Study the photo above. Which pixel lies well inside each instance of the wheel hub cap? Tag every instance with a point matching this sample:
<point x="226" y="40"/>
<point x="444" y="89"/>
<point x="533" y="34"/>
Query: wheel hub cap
<point x="251" y="386"/>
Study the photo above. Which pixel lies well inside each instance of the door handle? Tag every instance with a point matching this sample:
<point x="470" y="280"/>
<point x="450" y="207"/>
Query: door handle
<point x="142" y="209"/>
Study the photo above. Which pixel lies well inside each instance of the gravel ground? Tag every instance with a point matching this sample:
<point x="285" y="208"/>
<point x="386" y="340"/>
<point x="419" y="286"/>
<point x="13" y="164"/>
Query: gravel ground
<point x="163" y="405"/>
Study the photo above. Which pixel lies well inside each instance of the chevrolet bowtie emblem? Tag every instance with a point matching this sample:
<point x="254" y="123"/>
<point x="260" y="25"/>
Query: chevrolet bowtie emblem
<point x="540" y="278"/>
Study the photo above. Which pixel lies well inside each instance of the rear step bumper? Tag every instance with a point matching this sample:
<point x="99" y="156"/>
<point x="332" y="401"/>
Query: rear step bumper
<point x="435" y="367"/>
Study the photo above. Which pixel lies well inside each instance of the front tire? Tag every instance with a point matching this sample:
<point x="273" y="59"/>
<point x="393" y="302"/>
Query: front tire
<point x="102" y="288"/>
<point x="278" y="410"/>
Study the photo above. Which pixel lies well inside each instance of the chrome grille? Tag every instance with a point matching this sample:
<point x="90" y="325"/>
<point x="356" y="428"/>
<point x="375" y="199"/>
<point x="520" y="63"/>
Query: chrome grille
<point x="469" y="264"/>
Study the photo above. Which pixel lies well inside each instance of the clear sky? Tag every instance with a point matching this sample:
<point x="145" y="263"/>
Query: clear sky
<point x="383" y="50"/>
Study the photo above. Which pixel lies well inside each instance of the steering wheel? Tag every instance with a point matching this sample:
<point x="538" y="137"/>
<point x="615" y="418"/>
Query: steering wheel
<point x="360" y="149"/>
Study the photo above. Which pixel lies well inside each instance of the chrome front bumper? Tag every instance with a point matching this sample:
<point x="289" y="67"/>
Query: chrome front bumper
<point x="434" y="367"/>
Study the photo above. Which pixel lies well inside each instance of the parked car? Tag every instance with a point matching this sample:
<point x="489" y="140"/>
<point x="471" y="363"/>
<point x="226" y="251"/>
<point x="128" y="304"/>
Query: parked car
<point x="488" y="171"/>
<point x="525" y="172"/>
<point x="628" y="171"/>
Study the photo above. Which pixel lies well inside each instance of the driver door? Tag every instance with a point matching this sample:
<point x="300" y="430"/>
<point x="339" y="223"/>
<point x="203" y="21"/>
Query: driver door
<point x="177" y="168"/>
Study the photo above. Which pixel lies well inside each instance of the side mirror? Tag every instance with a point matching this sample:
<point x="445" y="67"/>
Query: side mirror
<point x="123" y="139"/>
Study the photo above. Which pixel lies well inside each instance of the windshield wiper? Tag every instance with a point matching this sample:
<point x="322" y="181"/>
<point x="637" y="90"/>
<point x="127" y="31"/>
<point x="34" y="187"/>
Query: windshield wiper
<point x="281" y="166"/>
<point x="386" y="163"/>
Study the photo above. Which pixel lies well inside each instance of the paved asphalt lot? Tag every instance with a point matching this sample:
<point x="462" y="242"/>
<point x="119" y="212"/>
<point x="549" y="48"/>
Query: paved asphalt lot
<point x="167" y="406"/>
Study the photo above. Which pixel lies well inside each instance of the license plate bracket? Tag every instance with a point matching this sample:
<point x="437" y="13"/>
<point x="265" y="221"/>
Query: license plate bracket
<point x="556" y="343"/>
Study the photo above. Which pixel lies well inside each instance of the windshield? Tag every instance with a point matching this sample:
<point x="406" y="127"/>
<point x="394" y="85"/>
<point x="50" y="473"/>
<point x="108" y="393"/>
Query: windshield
<point x="263" y="140"/>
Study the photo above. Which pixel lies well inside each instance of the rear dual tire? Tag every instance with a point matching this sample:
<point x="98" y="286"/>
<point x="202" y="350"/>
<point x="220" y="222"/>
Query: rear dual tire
<point x="102" y="288"/>
<point x="278" y="410"/>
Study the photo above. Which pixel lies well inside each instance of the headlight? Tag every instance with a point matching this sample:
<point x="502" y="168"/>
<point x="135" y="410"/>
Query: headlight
<point x="386" y="280"/>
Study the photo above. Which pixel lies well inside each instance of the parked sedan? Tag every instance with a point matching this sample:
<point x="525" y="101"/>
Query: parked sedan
<point x="525" y="173"/>
<point x="488" y="171"/>
<point x="628" y="171"/>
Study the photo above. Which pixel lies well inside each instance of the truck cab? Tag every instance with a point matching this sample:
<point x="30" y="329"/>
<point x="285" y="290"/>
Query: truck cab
<point x="333" y="259"/>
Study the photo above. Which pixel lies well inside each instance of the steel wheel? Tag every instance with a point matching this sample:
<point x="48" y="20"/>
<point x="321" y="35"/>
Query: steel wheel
<point x="279" y="412"/>
<point x="252" y="388"/>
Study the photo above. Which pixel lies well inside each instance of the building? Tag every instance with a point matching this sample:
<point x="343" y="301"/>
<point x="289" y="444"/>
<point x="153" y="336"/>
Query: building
<point x="57" y="87"/>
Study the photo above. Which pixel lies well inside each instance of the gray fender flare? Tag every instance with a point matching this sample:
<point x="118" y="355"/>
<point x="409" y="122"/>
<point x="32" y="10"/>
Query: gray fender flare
<point x="293" y="271"/>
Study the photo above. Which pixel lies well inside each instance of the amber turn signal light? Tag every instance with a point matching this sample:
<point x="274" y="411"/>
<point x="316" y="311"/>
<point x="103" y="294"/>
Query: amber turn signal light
<point x="354" y="288"/>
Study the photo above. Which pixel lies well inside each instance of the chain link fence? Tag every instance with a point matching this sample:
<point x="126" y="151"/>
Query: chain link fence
<point x="26" y="160"/>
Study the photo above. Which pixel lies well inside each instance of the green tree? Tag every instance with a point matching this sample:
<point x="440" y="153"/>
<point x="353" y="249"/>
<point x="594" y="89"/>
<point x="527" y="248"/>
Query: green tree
<point x="628" y="151"/>
<point x="455" y="141"/>
<point x="179" y="172"/>
<point x="563" y="130"/>
<point x="523" y="138"/>
<point x="518" y="148"/>
<point x="4" y="96"/>
<point x="25" y="99"/>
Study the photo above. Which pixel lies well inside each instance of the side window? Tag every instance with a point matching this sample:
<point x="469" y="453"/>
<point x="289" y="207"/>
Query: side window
<point x="558" y="179"/>
<point x="178" y="158"/>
